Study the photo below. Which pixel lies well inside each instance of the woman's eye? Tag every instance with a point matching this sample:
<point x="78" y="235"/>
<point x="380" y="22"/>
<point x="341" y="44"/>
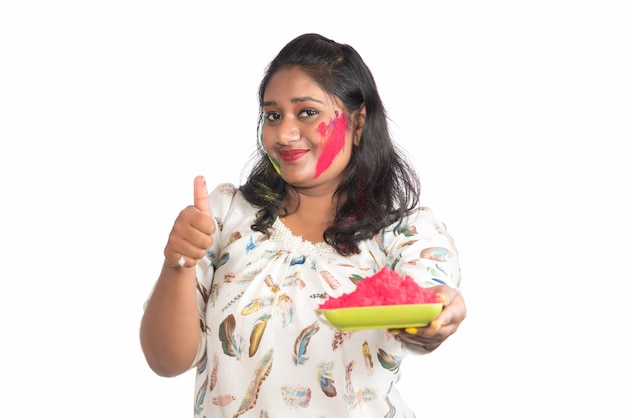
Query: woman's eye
<point x="272" y="116"/>
<point x="305" y="113"/>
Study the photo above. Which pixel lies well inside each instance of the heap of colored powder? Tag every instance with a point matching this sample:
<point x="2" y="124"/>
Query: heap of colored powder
<point x="386" y="287"/>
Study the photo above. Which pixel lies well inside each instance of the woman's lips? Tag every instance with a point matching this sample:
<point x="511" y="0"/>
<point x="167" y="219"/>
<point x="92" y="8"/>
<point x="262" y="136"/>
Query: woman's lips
<point x="292" y="155"/>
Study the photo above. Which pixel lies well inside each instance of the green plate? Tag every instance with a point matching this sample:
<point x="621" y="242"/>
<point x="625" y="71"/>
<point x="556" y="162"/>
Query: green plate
<point x="387" y="316"/>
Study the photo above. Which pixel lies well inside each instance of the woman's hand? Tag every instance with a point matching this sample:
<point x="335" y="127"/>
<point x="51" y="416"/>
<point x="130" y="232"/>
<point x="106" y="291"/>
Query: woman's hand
<point x="191" y="234"/>
<point x="444" y="325"/>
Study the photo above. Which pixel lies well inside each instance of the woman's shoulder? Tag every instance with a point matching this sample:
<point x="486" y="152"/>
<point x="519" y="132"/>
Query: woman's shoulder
<point x="226" y="199"/>
<point x="421" y="221"/>
<point x="222" y="196"/>
<point x="421" y="214"/>
<point x="225" y="193"/>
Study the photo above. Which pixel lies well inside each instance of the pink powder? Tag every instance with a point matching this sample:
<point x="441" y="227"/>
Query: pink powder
<point x="386" y="287"/>
<point x="334" y="143"/>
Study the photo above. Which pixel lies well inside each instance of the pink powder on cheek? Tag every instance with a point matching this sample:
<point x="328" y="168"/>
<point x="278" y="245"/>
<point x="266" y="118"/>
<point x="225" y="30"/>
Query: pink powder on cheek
<point x="335" y="133"/>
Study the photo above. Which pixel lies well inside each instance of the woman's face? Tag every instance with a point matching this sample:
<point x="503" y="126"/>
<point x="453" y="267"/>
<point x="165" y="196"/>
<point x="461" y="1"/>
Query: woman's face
<point x="306" y="132"/>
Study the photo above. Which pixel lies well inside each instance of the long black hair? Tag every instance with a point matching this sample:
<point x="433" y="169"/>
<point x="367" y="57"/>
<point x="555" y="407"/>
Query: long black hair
<point x="380" y="186"/>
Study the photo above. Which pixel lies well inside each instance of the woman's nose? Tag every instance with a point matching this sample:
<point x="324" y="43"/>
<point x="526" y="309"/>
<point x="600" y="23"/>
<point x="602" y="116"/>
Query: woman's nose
<point x="288" y="133"/>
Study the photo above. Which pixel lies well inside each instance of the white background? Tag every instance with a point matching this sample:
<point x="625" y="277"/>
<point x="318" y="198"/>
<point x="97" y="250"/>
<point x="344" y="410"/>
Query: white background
<point x="513" y="112"/>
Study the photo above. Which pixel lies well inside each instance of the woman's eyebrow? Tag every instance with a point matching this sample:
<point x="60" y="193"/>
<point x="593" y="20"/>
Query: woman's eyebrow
<point x="294" y="100"/>
<point x="305" y="99"/>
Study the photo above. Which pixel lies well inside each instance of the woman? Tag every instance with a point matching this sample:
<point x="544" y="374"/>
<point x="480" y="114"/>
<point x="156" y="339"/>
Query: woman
<point x="329" y="201"/>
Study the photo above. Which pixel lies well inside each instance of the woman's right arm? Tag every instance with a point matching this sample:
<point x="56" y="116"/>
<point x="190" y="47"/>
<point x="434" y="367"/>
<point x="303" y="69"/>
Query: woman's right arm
<point x="170" y="326"/>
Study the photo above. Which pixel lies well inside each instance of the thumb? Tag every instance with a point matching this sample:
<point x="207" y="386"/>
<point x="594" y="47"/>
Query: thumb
<point x="200" y="194"/>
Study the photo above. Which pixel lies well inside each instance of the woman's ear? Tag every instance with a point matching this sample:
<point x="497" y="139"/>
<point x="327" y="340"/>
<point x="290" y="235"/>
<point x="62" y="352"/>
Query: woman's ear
<point x="359" y="123"/>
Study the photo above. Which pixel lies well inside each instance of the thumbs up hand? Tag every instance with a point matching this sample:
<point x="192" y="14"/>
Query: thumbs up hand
<point x="190" y="236"/>
<point x="201" y="195"/>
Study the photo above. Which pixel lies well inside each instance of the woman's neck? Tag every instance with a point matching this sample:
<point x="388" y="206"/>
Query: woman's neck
<point x="310" y="214"/>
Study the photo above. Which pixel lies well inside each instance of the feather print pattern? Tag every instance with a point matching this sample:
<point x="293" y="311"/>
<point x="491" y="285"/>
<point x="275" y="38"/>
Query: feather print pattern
<point x="251" y="245"/>
<point x="274" y="357"/>
<point x="257" y="333"/>
<point x="395" y="261"/>
<point x="391" y="413"/>
<point x="354" y="398"/>
<point x="297" y="260"/>
<point x="313" y="369"/>
<point x="256" y="304"/>
<point x="407" y="231"/>
<point x="366" y="394"/>
<point x="227" y="189"/>
<point x="367" y="356"/>
<point x="233" y="300"/>
<point x="241" y="277"/>
<point x="223" y="400"/>
<point x="223" y="260"/>
<point x="407" y="243"/>
<point x="356" y="278"/>
<point x="202" y="364"/>
<point x="325" y="377"/>
<point x="204" y="293"/>
<point x="234" y="236"/>
<point x="213" y="294"/>
<point x="436" y="253"/>
<point x="200" y="397"/>
<point x="227" y="337"/>
<point x="444" y="232"/>
<point x="263" y="368"/>
<point x="392" y="409"/>
<point x="219" y="223"/>
<point x="274" y="288"/>
<point x="296" y="396"/>
<point x="374" y="259"/>
<point x="435" y="273"/>
<point x="302" y="342"/>
<point x="213" y="376"/>
<point x="388" y="361"/>
<point x="339" y="338"/>
<point x="350" y="396"/>
<point x="294" y="280"/>
<point x="330" y="279"/>
<point x="285" y="309"/>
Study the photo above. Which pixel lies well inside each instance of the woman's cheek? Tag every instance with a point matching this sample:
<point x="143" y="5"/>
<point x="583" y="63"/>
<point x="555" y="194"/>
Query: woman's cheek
<point x="273" y="160"/>
<point x="274" y="163"/>
<point x="334" y="137"/>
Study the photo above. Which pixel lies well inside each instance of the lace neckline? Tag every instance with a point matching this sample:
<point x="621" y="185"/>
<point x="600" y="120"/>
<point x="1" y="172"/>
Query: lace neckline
<point x="280" y="233"/>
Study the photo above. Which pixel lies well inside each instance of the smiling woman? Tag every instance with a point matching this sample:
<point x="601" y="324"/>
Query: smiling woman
<point x="305" y="129"/>
<point x="329" y="200"/>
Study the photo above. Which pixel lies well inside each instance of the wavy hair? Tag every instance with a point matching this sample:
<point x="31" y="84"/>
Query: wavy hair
<point x="380" y="186"/>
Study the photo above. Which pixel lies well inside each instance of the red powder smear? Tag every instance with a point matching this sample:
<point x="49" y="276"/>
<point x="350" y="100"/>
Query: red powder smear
<point x="386" y="287"/>
<point x="334" y="143"/>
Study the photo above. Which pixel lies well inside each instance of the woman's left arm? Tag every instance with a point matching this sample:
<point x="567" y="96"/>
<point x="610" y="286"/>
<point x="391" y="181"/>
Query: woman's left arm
<point x="425" y="251"/>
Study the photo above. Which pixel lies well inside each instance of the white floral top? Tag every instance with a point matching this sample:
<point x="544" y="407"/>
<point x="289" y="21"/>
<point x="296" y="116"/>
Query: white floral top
<point x="265" y="352"/>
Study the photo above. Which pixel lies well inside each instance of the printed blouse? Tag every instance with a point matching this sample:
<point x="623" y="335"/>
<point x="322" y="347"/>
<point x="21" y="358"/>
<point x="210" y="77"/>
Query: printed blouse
<point x="265" y="351"/>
